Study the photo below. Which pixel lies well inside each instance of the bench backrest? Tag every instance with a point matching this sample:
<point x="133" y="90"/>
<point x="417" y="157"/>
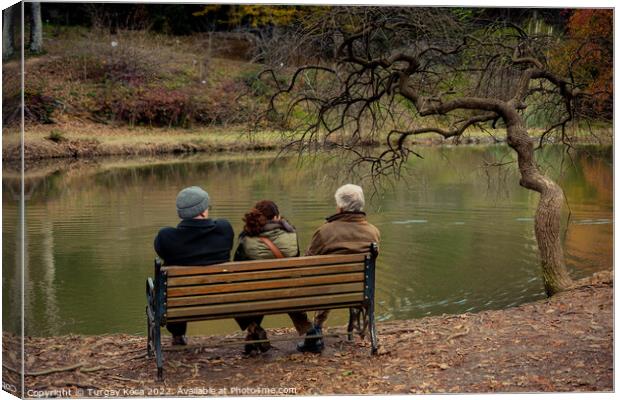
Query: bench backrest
<point x="264" y="286"/>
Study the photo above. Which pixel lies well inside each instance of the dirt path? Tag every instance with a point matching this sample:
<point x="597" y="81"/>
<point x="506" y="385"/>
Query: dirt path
<point x="561" y="344"/>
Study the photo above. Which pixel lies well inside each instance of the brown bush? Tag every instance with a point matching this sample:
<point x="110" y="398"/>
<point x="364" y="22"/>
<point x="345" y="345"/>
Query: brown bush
<point x="223" y="104"/>
<point x="152" y="106"/>
<point x="38" y="108"/>
<point x="125" y="59"/>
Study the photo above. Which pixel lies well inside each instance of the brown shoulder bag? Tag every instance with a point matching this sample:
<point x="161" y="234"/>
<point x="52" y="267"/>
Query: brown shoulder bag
<point x="274" y="249"/>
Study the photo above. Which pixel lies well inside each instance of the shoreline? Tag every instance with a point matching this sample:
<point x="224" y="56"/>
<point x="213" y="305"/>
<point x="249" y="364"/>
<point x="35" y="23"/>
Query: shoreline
<point x="560" y="344"/>
<point x="93" y="141"/>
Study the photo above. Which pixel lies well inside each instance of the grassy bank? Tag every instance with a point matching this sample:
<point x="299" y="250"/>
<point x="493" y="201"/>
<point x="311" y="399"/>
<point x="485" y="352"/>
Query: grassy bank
<point x="79" y="140"/>
<point x="87" y="140"/>
<point x="556" y="345"/>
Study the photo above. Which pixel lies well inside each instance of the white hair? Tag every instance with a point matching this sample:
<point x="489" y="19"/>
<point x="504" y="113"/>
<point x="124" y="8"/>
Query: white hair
<point x="350" y="197"/>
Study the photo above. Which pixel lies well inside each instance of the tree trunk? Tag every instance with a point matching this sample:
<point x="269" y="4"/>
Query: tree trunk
<point x="7" y="33"/>
<point x="548" y="214"/>
<point x="36" y="28"/>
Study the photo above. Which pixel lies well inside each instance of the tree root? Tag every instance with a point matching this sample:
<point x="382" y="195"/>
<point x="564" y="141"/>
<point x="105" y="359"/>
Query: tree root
<point x="47" y="371"/>
<point x="458" y="334"/>
<point x="120" y="378"/>
<point x="74" y="367"/>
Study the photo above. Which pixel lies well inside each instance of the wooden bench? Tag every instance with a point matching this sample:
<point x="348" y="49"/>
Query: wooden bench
<point x="234" y="289"/>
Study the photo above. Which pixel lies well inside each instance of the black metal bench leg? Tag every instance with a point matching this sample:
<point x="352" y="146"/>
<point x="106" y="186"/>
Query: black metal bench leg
<point x="159" y="356"/>
<point x="352" y="315"/>
<point x="370" y="286"/>
<point x="372" y="328"/>
<point x="150" y="317"/>
<point x="149" y="331"/>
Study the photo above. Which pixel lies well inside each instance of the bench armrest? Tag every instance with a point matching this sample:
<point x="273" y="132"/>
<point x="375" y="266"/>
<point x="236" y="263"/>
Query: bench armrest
<point x="374" y="249"/>
<point x="150" y="286"/>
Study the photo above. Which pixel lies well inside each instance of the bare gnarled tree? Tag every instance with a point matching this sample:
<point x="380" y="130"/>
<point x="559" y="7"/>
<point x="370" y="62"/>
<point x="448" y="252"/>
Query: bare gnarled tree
<point x="403" y="72"/>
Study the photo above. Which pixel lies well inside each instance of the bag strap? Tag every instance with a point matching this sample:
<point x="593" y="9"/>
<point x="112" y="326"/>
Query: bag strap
<point x="274" y="249"/>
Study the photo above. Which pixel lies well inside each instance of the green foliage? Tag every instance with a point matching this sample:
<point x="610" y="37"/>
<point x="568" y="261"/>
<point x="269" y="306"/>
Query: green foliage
<point x="255" y="16"/>
<point x="56" y="136"/>
<point x="464" y="14"/>
<point x="254" y="83"/>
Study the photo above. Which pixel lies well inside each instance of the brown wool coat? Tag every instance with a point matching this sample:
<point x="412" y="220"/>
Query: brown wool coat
<point x="344" y="233"/>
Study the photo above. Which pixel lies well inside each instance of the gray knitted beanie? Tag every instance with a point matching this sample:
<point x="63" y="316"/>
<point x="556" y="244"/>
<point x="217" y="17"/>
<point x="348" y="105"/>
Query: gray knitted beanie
<point x="192" y="201"/>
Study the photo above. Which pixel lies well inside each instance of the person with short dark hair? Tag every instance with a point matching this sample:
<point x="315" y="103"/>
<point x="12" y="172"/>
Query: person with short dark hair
<point x="197" y="240"/>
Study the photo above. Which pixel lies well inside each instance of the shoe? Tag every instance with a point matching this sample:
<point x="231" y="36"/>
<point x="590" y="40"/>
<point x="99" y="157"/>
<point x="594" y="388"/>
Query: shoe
<point x="179" y="340"/>
<point x="262" y="335"/>
<point x="250" y="349"/>
<point x="312" y="345"/>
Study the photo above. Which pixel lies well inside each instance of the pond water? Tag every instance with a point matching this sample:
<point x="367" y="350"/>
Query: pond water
<point x="456" y="236"/>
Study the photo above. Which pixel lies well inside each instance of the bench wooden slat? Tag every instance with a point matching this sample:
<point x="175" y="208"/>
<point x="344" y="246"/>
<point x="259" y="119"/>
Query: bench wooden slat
<point x="264" y="264"/>
<point x="269" y="274"/>
<point x="257" y="306"/>
<point x="271" y="294"/>
<point x="264" y="284"/>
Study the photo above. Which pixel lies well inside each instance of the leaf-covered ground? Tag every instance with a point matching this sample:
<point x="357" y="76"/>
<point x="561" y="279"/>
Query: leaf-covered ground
<point x="560" y="344"/>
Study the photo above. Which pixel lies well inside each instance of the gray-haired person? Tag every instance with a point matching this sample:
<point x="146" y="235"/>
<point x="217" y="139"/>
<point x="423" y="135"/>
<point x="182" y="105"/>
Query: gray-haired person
<point x="197" y="240"/>
<point x="346" y="232"/>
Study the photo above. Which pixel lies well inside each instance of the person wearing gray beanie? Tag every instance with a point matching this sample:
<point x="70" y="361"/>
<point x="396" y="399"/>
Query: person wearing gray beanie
<point x="197" y="240"/>
<point x="191" y="202"/>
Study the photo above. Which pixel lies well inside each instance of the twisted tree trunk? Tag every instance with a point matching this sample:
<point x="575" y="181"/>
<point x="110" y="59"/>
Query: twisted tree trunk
<point x="548" y="214"/>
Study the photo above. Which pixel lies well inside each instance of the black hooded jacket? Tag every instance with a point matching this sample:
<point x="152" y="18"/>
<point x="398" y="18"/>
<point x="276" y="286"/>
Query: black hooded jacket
<point x="195" y="242"/>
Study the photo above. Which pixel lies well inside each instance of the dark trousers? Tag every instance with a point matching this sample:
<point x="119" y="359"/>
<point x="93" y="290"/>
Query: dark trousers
<point x="300" y="321"/>
<point x="177" y="328"/>
<point x="249" y="322"/>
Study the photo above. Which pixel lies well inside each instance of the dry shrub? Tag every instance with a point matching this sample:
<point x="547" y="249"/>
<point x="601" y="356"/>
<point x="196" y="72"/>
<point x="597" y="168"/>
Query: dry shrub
<point x="158" y="106"/>
<point x="128" y="58"/>
<point x="38" y="108"/>
<point x="147" y="79"/>
<point x="152" y="106"/>
<point x="222" y="105"/>
<point x="11" y="94"/>
<point x="11" y="109"/>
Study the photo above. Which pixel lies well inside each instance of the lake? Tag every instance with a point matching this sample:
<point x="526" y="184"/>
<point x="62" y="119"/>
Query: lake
<point x="457" y="235"/>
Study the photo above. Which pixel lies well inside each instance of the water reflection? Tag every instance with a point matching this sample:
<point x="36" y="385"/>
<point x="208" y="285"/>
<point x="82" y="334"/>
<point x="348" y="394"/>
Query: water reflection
<point x="457" y="237"/>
